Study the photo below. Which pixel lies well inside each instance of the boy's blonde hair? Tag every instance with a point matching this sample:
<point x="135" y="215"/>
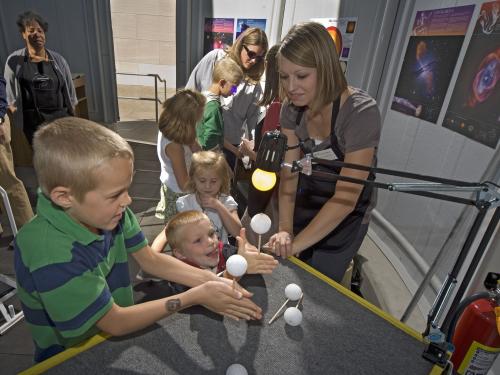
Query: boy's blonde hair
<point x="310" y="45"/>
<point x="177" y="222"/>
<point x="180" y="115"/>
<point x="68" y="150"/>
<point x="204" y="160"/>
<point x="253" y="36"/>
<point x="227" y="69"/>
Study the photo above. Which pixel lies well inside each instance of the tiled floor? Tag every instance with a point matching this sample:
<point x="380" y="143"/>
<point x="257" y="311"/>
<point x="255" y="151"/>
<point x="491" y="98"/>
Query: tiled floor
<point x="16" y="348"/>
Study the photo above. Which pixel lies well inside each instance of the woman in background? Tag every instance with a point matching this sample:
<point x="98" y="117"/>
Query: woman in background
<point x="39" y="83"/>
<point x="242" y="108"/>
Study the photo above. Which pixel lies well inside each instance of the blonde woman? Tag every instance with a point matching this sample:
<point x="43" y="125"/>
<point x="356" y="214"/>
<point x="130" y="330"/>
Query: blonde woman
<point x="241" y="109"/>
<point x="323" y="221"/>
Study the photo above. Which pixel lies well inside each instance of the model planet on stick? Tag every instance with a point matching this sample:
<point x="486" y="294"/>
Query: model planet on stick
<point x="260" y="223"/>
<point x="293" y="292"/>
<point x="236" y="369"/>
<point x="293" y="316"/>
<point x="236" y="265"/>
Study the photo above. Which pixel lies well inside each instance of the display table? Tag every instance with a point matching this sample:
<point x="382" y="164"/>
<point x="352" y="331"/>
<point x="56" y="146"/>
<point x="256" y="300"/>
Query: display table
<point x="340" y="334"/>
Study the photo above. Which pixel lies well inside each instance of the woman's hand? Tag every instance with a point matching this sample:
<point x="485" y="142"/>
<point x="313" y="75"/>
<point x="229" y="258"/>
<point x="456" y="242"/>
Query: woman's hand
<point x="281" y="244"/>
<point x="220" y="297"/>
<point x="246" y="148"/>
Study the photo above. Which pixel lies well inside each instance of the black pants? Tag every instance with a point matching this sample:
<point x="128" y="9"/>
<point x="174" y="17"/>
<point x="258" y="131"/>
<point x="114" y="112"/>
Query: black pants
<point x="334" y="263"/>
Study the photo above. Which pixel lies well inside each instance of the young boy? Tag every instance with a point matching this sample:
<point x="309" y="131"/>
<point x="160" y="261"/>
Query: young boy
<point x="71" y="260"/>
<point x="193" y="239"/>
<point x="226" y="77"/>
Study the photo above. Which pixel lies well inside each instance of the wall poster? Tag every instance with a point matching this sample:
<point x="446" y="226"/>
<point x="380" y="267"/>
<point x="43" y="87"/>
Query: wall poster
<point x="429" y="61"/>
<point x="218" y="33"/>
<point x="342" y="32"/>
<point x="474" y="109"/>
<point x="244" y="23"/>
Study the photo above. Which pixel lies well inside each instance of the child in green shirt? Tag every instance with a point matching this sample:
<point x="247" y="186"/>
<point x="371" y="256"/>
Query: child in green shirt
<point x="226" y="77"/>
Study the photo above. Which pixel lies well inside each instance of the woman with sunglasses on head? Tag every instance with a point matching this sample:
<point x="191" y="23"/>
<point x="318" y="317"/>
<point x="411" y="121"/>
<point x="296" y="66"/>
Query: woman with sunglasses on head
<point x="242" y="108"/>
<point x="321" y="221"/>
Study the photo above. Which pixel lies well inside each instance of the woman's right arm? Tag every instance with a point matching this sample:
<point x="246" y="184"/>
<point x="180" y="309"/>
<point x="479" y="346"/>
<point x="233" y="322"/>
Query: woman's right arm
<point x="175" y="152"/>
<point x="288" y="185"/>
<point x="201" y="75"/>
<point x="10" y="84"/>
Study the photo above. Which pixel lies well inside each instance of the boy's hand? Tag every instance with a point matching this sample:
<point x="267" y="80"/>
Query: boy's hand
<point x="220" y="297"/>
<point x="257" y="262"/>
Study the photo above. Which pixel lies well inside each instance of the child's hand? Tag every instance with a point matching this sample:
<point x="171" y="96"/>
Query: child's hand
<point x="257" y="262"/>
<point x="220" y="297"/>
<point x="207" y="201"/>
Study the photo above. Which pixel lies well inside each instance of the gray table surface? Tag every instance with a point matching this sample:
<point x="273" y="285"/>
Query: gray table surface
<point x="338" y="335"/>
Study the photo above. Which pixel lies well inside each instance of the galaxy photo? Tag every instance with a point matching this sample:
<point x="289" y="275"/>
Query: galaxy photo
<point x="425" y="75"/>
<point x="218" y="33"/>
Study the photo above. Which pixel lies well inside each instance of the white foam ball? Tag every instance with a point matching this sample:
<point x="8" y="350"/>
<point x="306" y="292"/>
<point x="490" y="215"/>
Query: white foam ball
<point x="236" y="369"/>
<point x="236" y="265"/>
<point x="293" y="316"/>
<point x="260" y="223"/>
<point x="293" y="292"/>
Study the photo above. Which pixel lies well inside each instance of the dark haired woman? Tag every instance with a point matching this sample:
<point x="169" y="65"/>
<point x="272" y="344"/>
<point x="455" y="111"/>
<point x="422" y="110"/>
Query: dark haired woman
<point x="39" y="83"/>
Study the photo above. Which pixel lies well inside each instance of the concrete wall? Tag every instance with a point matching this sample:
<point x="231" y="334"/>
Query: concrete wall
<point x="144" y="40"/>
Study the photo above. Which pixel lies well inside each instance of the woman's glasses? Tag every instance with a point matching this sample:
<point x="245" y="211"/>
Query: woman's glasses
<point x="253" y="55"/>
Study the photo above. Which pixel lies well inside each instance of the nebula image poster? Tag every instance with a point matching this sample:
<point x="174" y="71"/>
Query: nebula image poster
<point x="218" y="33"/>
<point x="430" y="58"/>
<point x="474" y="109"/>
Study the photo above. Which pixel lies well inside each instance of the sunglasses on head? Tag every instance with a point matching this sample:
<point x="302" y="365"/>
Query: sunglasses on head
<point x="253" y="55"/>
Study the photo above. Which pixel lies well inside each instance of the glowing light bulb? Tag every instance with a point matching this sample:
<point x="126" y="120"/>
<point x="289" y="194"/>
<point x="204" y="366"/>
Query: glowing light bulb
<point x="263" y="180"/>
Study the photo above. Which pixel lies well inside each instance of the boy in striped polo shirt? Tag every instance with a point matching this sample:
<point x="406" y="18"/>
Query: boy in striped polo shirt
<point x="71" y="260"/>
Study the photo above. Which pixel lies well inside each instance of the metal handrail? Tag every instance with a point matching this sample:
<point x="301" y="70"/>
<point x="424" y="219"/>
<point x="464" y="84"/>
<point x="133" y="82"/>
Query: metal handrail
<point x="155" y="99"/>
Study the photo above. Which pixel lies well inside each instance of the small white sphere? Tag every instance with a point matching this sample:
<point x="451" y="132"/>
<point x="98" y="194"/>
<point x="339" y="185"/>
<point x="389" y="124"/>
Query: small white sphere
<point x="293" y="292"/>
<point x="260" y="223"/>
<point x="236" y="265"/>
<point x="293" y="316"/>
<point x="236" y="369"/>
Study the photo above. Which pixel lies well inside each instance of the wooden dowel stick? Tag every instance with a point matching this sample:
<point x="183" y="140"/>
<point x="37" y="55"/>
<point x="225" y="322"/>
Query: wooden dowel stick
<point x="275" y="316"/>
<point x="300" y="300"/>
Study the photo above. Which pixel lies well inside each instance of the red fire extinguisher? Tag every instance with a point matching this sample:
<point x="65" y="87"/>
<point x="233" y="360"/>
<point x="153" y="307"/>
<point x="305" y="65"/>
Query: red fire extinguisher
<point x="476" y="336"/>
